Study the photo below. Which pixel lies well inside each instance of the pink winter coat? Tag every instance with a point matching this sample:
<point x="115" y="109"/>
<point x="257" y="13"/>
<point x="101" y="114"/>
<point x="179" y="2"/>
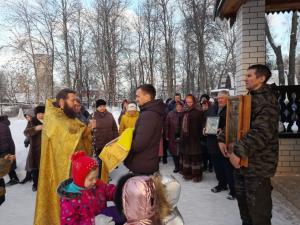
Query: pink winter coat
<point x="81" y="208"/>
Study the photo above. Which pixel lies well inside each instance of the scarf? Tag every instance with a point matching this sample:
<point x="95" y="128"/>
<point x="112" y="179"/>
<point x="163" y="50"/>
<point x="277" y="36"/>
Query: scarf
<point x="186" y="121"/>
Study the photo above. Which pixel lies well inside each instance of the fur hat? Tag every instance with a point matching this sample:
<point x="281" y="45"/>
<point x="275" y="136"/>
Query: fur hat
<point x="131" y="107"/>
<point x="82" y="164"/>
<point x="39" y="109"/>
<point x="100" y="102"/>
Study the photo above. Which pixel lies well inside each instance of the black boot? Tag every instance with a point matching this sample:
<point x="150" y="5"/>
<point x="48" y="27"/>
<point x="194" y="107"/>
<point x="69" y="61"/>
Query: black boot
<point x="176" y="163"/>
<point x="27" y="178"/>
<point x="35" y="177"/>
<point x="219" y="188"/>
<point x="13" y="178"/>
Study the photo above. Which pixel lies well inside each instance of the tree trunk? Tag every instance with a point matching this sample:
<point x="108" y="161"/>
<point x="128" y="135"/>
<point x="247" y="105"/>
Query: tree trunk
<point x="278" y="53"/>
<point x="293" y="46"/>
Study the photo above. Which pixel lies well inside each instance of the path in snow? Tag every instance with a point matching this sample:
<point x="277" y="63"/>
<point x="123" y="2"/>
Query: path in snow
<point x="198" y="204"/>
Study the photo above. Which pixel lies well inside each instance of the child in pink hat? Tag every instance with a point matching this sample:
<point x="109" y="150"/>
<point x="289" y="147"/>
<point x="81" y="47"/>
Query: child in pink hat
<point x="83" y="196"/>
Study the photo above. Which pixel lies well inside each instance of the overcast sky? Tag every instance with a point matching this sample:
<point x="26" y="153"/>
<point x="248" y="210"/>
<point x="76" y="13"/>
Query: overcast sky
<point x="280" y="28"/>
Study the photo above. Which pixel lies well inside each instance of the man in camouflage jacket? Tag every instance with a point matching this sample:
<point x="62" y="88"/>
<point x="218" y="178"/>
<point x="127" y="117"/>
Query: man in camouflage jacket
<point x="260" y="145"/>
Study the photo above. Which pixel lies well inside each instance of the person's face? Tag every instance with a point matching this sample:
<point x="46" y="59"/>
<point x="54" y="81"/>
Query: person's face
<point x="204" y="106"/>
<point x="141" y="97"/>
<point x="77" y="107"/>
<point x="28" y="118"/>
<point x="189" y="102"/>
<point x="68" y="105"/>
<point x="71" y="100"/>
<point x="101" y="108"/>
<point x="91" y="179"/>
<point x="179" y="108"/>
<point x="253" y="82"/>
<point x="222" y="100"/>
<point x="132" y="112"/>
<point x="177" y="98"/>
<point x="40" y="116"/>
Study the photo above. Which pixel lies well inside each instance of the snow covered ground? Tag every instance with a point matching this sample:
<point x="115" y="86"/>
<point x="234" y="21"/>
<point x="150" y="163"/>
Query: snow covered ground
<point x="198" y="204"/>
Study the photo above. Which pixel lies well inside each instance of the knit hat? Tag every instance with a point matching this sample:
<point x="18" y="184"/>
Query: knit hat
<point x="131" y="107"/>
<point x="82" y="164"/>
<point x="100" y="102"/>
<point x="39" y="109"/>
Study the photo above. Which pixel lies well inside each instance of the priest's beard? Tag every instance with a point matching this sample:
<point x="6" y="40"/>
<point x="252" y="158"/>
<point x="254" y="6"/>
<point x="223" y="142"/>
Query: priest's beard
<point x="69" y="112"/>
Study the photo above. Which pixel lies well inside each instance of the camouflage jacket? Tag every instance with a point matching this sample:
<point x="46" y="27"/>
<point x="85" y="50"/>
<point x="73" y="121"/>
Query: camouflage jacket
<point x="260" y="145"/>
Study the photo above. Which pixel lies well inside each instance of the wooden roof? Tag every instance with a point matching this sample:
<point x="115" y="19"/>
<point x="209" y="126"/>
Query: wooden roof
<point x="227" y="9"/>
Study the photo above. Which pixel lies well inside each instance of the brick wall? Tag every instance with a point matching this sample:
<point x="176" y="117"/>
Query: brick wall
<point x="251" y="39"/>
<point x="289" y="156"/>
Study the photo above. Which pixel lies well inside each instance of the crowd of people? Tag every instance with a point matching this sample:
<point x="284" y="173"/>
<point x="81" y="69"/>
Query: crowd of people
<point x="175" y="129"/>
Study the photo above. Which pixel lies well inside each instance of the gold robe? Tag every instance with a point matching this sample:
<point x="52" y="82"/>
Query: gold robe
<point x="61" y="137"/>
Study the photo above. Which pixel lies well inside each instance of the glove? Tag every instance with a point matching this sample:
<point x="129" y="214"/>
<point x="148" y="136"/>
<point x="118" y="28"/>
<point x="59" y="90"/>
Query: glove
<point x="104" y="220"/>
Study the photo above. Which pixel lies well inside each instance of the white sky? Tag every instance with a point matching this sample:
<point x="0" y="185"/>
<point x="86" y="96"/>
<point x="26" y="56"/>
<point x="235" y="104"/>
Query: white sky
<point x="280" y="29"/>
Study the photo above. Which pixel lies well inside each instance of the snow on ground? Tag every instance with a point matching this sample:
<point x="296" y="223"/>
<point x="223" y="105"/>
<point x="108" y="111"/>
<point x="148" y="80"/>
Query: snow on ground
<point x="198" y="204"/>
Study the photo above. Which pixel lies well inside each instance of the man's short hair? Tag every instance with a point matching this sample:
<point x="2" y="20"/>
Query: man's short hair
<point x="223" y="92"/>
<point x="261" y="70"/>
<point x="149" y="89"/>
<point x="178" y="94"/>
<point x="192" y="97"/>
<point x="63" y="94"/>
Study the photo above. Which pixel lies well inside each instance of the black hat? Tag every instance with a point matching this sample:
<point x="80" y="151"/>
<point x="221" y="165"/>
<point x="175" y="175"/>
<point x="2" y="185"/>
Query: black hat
<point x="39" y="109"/>
<point x="100" y="102"/>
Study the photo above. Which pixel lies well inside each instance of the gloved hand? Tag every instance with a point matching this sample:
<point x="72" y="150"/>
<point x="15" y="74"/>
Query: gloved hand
<point x="104" y="220"/>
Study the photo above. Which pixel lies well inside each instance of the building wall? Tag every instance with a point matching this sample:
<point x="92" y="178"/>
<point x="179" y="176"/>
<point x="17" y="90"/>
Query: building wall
<point x="289" y="156"/>
<point x="251" y="39"/>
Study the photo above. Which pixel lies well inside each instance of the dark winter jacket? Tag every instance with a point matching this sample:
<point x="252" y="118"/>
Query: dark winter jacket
<point x="34" y="154"/>
<point x="106" y="129"/>
<point x="83" y="115"/>
<point x="211" y="140"/>
<point x="191" y="140"/>
<point x="7" y="145"/>
<point x="260" y="145"/>
<point x="173" y="130"/>
<point x="143" y="156"/>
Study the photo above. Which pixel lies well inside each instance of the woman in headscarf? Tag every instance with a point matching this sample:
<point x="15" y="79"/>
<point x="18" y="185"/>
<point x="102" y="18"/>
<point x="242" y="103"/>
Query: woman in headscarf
<point x="191" y="134"/>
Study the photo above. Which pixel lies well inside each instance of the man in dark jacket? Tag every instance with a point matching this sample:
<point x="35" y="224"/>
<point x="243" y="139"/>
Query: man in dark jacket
<point x="260" y="146"/>
<point x="143" y="157"/>
<point x="7" y="146"/>
<point x="222" y="165"/>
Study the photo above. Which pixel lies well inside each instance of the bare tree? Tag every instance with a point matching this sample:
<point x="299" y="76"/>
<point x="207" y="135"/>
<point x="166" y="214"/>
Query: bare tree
<point x="293" y="47"/>
<point x="166" y="11"/>
<point x="278" y="54"/>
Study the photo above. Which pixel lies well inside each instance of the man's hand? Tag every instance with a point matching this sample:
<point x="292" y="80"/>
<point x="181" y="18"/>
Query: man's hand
<point x="38" y="127"/>
<point x="235" y="160"/>
<point x="92" y="124"/>
<point x="223" y="149"/>
<point x="10" y="157"/>
<point x="204" y="131"/>
<point x="104" y="220"/>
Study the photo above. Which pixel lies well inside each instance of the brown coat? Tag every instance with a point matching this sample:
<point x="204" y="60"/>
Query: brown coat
<point x="106" y="129"/>
<point x="7" y="145"/>
<point x="191" y="141"/>
<point x="172" y="130"/>
<point x="34" y="154"/>
<point x="143" y="156"/>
